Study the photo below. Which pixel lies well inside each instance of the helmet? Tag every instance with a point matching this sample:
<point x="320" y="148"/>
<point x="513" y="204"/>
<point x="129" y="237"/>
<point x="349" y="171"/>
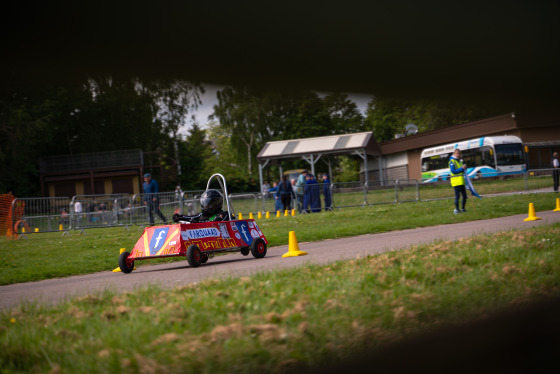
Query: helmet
<point x="211" y="202"/>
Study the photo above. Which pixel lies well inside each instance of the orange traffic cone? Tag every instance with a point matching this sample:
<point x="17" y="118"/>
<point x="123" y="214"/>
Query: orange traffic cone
<point x="532" y="216"/>
<point x="293" y="247"/>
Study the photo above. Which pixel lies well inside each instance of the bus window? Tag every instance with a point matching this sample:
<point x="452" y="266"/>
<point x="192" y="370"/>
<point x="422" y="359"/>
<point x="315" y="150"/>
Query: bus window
<point x="488" y="157"/>
<point x="509" y="154"/>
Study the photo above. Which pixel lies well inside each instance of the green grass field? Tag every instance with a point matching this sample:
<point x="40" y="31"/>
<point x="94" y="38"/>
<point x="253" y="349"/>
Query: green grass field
<point x="287" y="321"/>
<point x="49" y="255"/>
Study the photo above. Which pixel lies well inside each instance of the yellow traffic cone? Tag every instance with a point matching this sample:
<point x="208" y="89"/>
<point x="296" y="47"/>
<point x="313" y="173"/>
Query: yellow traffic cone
<point x="36" y="229"/>
<point x="259" y="215"/>
<point x="118" y="268"/>
<point x="557" y="206"/>
<point x="23" y="230"/>
<point x="286" y="213"/>
<point x="267" y="214"/>
<point x="293" y="247"/>
<point x="240" y="215"/>
<point x="277" y="213"/>
<point x="532" y="216"/>
<point x="250" y="215"/>
<point x="293" y="212"/>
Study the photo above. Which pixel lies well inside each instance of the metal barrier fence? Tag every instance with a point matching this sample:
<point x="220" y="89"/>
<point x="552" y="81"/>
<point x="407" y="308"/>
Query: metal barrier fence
<point x="62" y="214"/>
<point x="94" y="211"/>
<point x="34" y="215"/>
<point x="382" y="194"/>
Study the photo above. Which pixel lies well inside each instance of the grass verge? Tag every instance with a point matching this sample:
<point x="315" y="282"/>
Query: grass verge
<point x="48" y="255"/>
<point x="289" y="320"/>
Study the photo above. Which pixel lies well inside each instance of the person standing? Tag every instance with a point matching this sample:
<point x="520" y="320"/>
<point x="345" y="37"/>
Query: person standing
<point x="327" y="192"/>
<point x="457" y="170"/>
<point x="78" y="212"/>
<point x="300" y="189"/>
<point x="556" y="171"/>
<point x="151" y="198"/>
<point x="285" y="193"/>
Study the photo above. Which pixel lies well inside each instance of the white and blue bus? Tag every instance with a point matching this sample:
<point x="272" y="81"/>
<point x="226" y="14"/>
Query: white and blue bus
<point x="489" y="156"/>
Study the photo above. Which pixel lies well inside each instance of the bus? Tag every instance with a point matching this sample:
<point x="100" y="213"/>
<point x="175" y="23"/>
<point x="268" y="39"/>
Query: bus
<point x="488" y="156"/>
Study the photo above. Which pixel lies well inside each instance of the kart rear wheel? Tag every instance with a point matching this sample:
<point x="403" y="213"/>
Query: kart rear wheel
<point x="258" y="248"/>
<point x="194" y="256"/>
<point x="204" y="259"/>
<point x="125" y="264"/>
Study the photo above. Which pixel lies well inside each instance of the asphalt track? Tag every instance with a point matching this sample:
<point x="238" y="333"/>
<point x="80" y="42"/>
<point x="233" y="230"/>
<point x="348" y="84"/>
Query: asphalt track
<point x="52" y="291"/>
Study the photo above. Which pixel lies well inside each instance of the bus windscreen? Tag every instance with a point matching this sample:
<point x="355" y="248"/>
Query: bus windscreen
<point x="509" y="154"/>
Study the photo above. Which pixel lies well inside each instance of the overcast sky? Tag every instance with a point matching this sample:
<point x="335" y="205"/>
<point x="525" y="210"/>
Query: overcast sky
<point x="209" y="99"/>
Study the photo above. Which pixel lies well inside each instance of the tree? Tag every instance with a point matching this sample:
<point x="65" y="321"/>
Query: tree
<point x="175" y="100"/>
<point x="343" y="113"/>
<point x="196" y="152"/>
<point x="388" y="117"/>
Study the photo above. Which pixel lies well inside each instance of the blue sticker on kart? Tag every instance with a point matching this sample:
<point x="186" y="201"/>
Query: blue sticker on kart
<point x="244" y="231"/>
<point x="158" y="238"/>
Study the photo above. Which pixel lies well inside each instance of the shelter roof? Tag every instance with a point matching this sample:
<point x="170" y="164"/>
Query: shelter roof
<point x="332" y="144"/>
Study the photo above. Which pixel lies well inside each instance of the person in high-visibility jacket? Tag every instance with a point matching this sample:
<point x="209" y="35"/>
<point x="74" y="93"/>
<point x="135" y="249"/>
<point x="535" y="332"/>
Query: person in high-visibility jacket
<point x="457" y="178"/>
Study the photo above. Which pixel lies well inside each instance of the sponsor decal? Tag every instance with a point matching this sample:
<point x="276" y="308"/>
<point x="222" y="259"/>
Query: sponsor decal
<point x="250" y="224"/>
<point x="238" y="236"/>
<point x="244" y="231"/>
<point x="255" y="233"/>
<point x="158" y="238"/>
<point x="172" y="243"/>
<point x="258" y="229"/>
<point x="206" y="232"/>
<point x="233" y="227"/>
<point x="224" y="231"/>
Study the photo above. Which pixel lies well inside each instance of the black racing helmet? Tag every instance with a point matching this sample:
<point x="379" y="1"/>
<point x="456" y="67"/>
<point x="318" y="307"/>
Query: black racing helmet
<point x="211" y="202"/>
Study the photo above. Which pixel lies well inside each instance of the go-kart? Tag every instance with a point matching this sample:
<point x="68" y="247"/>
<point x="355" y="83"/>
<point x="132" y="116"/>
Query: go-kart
<point x="198" y="241"/>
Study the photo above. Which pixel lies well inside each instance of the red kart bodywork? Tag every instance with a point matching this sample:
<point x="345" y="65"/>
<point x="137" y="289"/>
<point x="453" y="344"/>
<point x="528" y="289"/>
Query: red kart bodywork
<point x="209" y="237"/>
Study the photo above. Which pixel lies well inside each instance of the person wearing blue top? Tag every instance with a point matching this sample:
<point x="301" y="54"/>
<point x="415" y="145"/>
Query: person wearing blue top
<point x="285" y="193"/>
<point x="312" y="196"/>
<point x="327" y="192"/>
<point x="457" y="178"/>
<point x="151" y="198"/>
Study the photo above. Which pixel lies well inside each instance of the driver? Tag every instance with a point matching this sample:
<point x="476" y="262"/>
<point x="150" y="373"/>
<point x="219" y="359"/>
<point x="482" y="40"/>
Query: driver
<point x="211" y="203"/>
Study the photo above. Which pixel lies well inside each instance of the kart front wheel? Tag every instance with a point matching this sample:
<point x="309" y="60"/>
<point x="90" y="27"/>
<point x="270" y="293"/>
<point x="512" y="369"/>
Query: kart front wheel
<point x="194" y="256"/>
<point x="258" y="248"/>
<point x="204" y="258"/>
<point x="125" y="264"/>
<point x="245" y="251"/>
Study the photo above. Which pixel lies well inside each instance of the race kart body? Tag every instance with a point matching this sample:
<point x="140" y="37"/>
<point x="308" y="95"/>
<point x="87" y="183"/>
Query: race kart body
<point x="197" y="241"/>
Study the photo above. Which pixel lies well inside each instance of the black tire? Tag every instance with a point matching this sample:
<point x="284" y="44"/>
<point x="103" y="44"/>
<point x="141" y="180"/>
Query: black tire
<point x="126" y="265"/>
<point x="245" y="251"/>
<point x="258" y="248"/>
<point x="204" y="259"/>
<point x="194" y="256"/>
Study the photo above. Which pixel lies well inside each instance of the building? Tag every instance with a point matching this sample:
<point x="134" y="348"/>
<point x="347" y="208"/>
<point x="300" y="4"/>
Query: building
<point x="99" y="173"/>
<point x="540" y="134"/>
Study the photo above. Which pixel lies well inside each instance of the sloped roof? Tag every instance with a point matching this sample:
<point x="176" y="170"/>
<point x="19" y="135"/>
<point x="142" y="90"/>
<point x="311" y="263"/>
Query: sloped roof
<point x="332" y="144"/>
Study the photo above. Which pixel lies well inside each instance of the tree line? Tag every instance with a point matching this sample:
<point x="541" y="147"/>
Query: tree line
<point x="106" y="114"/>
